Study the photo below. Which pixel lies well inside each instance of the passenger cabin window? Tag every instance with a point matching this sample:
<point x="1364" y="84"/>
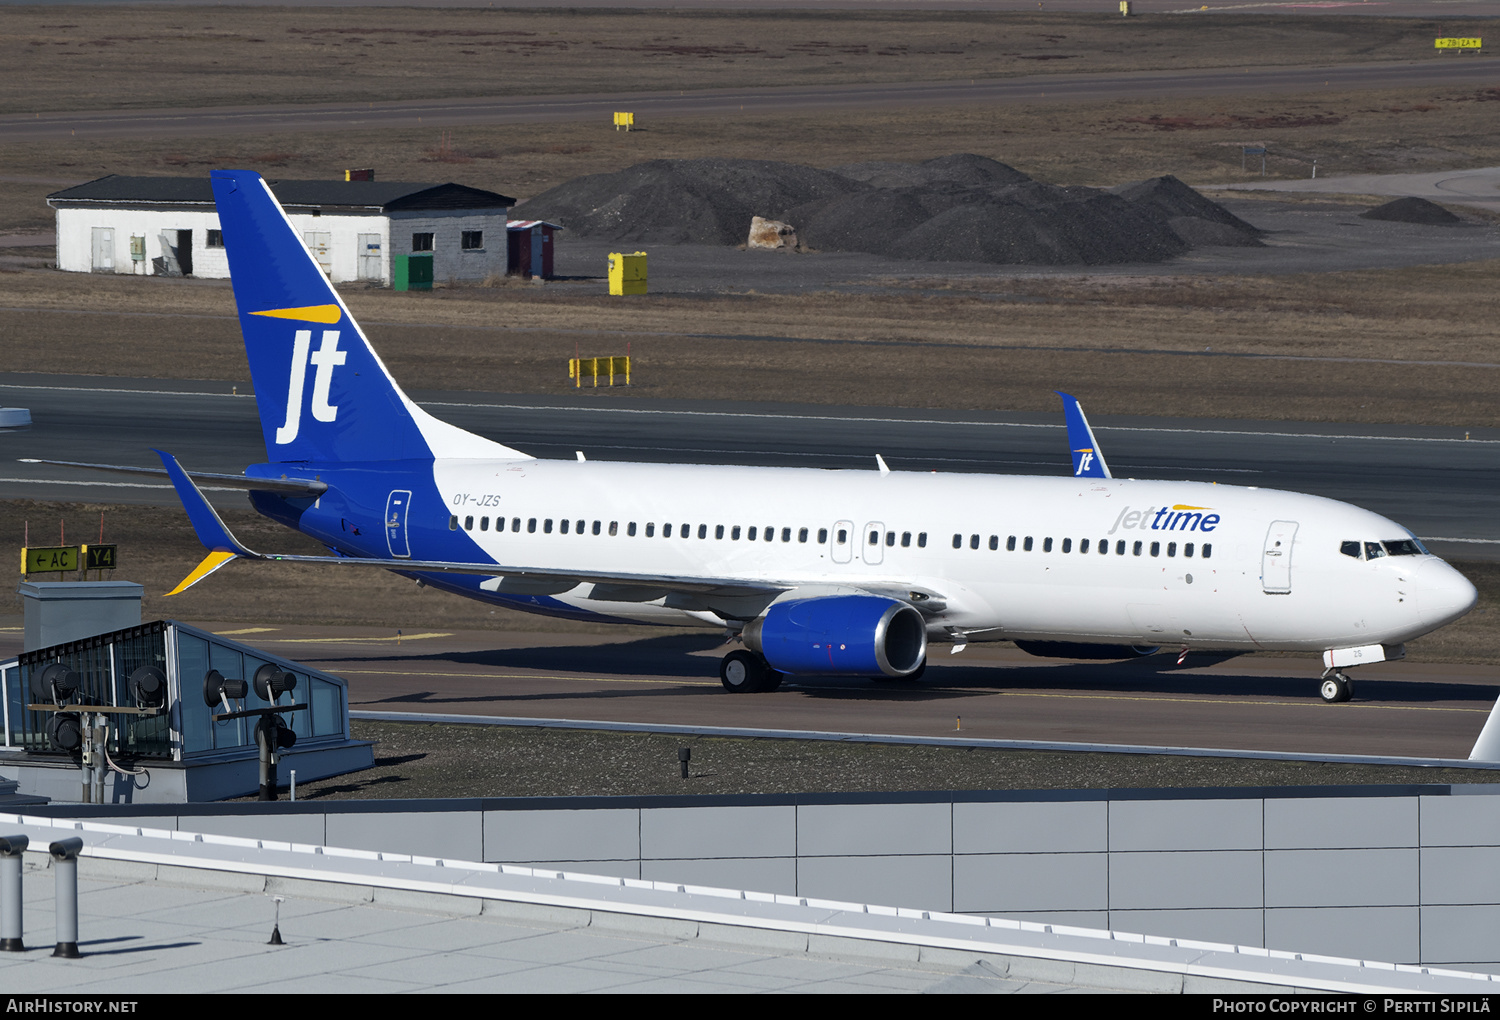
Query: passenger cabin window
<point x="1046" y="545"/>
<point x="484" y="524"/>
<point x="1208" y="550"/>
<point x="922" y="540"/>
<point x="614" y="528"/>
<point x="905" y="539"/>
<point x="786" y="535"/>
<point x="1026" y="544"/>
<point x="822" y="535"/>
<point x="958" y="541"/>
<point x="564" y="525"/>
<point x="994" y="541"/>
<point x="1010" y="544"/>
<point x="630" y="529"/>
<point x="547" y="526"/>
<point x="651" y="529"/>
<point x="802" y="535"/>
<point x="1137" y="549"/>
<point x="1068" y="545"/>
<point x="468" y="524"/>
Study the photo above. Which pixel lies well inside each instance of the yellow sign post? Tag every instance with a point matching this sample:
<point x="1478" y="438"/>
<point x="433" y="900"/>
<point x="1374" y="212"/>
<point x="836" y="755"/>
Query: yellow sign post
<point x="624" y="120"/>
<point x="579" y="367"/>
<point x="1454" y="43"/>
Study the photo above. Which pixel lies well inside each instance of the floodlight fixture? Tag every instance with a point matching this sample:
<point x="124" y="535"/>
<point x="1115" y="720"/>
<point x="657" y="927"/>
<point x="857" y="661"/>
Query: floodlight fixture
<point x="271" y="682"/>
<point x="148" y="685"/>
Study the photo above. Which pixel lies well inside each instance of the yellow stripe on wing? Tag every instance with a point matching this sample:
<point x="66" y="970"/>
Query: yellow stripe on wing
<point x="213" y="561"/>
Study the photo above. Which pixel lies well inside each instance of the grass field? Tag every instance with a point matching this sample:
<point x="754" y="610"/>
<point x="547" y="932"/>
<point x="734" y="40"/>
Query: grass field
<point x="1123" y="345"/>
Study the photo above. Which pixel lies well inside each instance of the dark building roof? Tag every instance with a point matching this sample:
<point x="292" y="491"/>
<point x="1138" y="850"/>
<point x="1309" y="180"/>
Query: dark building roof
<point x="385" y="196"/>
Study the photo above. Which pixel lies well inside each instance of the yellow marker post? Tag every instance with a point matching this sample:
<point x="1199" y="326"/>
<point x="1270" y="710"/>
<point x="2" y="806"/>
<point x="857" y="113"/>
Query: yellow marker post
<point x="624" y="120"/>
<point x="1455" y="43"/>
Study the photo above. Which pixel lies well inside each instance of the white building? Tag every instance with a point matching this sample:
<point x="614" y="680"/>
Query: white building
<point x="167" y="226"/>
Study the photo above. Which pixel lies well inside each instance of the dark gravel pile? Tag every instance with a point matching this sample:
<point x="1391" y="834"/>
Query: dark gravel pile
<point x="1412" y="210"/>
<point x="683" y="201"/>
<point x="1195" y="219"/>
<point x="962" y="208"/>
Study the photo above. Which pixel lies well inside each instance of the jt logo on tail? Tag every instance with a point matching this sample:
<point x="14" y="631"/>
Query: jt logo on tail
<point x="325" y="358"/>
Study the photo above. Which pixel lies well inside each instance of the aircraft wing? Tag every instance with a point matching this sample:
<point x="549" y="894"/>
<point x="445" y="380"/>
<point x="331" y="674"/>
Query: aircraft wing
<point x="224" y="546"/>
<point x="285" y="486"/>
<point x="1088" y="459"/>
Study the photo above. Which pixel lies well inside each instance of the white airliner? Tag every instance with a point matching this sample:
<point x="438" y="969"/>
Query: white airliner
<point x="816" y="572"/>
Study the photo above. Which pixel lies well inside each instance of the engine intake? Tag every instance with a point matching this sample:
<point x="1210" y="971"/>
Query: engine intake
<point x="840" y="635"/>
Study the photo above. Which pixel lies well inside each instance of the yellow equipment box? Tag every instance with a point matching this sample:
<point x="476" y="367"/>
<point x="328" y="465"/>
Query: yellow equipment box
<point x="627" y="273"/>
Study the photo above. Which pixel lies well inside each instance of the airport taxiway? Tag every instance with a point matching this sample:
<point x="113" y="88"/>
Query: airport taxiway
<point x="987" y="692"/>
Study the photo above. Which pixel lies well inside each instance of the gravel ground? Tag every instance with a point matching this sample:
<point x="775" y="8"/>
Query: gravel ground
<point x="1299" y="237"/>
<point x="417" y="760"/>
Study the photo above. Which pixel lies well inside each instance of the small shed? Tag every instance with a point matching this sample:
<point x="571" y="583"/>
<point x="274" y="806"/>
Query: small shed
<point x="167" y="226"/>
<point x="529" y="248"/>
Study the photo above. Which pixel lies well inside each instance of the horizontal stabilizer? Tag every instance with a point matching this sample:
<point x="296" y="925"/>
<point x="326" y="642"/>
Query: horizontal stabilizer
<point x="283" y="486"/>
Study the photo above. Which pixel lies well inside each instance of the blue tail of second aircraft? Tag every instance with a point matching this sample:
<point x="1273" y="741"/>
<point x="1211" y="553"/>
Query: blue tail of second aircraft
<point x="1088" y="459"/>
<point x="323" y="392"/>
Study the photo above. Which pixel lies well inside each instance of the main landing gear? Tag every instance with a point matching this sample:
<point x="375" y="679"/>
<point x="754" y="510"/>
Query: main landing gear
<point x="1336" y="687"/>
<point x="744" y="672"/>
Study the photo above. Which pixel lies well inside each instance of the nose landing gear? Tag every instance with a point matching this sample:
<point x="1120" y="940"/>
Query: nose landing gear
<point x="1336" y="687"/>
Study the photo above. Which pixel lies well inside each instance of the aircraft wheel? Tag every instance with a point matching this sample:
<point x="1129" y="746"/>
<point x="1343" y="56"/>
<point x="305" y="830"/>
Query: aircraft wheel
<point x="1336" y="688"/>
<point x="743" y="672"/>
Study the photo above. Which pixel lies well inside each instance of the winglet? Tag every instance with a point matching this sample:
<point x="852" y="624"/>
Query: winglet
<point x="211" y="531"/>
<point x="1088" y="459"/>
<point x="213" y="561"/>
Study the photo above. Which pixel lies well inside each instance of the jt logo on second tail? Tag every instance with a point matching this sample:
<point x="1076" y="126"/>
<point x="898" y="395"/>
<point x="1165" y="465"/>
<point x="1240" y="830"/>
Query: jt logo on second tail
<point x="325" y="358"/>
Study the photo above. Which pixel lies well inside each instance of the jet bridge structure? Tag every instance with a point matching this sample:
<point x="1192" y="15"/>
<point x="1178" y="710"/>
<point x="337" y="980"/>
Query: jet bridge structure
<point x="163" y="742"/>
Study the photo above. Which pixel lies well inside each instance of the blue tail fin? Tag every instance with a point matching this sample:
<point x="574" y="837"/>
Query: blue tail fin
<point x="1088" y="459"/>
<point x="323" y="393"/>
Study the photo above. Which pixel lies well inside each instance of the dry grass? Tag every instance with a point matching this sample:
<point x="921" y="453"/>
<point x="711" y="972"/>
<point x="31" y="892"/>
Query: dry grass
<point x="59" y="59"/>
<point x="1123" y="345"/>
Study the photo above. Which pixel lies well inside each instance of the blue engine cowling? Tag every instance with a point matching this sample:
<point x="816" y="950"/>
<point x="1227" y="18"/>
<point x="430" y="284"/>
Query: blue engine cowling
<point x="840" y="635"/>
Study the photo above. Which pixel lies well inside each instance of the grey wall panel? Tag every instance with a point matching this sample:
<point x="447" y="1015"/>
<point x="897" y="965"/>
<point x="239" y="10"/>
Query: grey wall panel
<point x="1332" y="822"/>
<point x="598" y="834"/>
<point x="1203" y="878"/>
<point x="764" y="874"/>
<point x="1389" y="934"/>
<point x="851" y="829"/>
<point x="1241" y="927"/>
<point x="746" y="831"/>
<point x="291" y="828"/>
<point x="1004" y="883"/>
<point x="1457" y="874"/>
<point x="1095" y="919"/>
<point x="1185" y="825"/>
<point x="1461" y="934"/>
<point x="923" y="882"/>
<point x="1460" y="821"/>
<point x="614" y="869"/>
<point x="1037" y="827"/>
<point x="453" y="834"/>
<point x="1341" y="878"/>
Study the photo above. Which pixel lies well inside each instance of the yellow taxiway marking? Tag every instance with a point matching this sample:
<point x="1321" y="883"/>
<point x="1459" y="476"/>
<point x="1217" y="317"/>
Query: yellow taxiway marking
<point x="523" y="676"/>
<point x="246" y="630"/>
<point x="352" y="640"/>
<point x="1215" y="701"/>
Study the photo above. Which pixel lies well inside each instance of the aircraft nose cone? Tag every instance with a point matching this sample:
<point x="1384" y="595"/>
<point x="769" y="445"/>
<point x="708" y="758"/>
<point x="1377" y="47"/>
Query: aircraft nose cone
<point x="1443" y="594"/>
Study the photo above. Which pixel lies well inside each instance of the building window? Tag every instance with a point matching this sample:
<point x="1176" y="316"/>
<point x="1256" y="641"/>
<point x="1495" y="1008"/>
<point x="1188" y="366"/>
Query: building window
<point x="215" y="239"/>
<point x="421" y="242"/>
<point x="472" y="240"/>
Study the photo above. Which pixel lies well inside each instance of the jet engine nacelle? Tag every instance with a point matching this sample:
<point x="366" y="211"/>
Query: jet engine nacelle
<point x="840" y="635"/>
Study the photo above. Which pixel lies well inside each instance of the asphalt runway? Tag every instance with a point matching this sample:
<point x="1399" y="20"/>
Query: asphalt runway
<point x="188" y="122"/>
<point x="1429" y="479"/>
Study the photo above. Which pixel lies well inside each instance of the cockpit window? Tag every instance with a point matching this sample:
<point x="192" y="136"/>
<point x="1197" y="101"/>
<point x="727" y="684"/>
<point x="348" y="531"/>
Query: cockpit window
<point x="1373" y="551"/>
<point x="1404" y="547"/>
<point x="1350" y="549"/>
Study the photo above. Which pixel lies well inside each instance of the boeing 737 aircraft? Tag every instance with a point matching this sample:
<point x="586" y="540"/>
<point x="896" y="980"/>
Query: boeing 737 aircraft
<point x="814" y="572"/>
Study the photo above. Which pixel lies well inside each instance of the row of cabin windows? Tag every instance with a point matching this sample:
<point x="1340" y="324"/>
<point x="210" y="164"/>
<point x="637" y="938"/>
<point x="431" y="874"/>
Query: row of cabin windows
<point x="1121" y="546"/>
<point x="768" y="534"/>
<point x="734" y="533"/>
